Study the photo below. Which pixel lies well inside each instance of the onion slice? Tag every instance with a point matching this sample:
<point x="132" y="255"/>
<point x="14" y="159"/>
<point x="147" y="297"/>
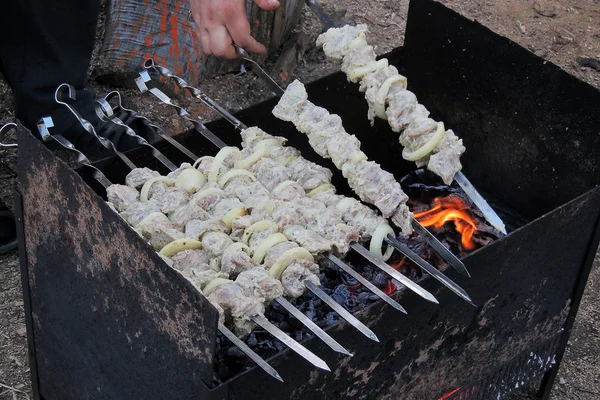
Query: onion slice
<point x="215" y="168"/>
<point x="258" y="226"/>
<point x="190" y="180"/>
<point x="427" y="147"/>
<point x="198" y="161"/>
<point x="282" y="186"/>
<point x="345" y="203"/>
<point x="357" y="73"/>
<point x="265" y="245"/>
<point x="288" y="257"/>
<point x="266" y="143"/>
<point x="237" y="246"/>
<point x="381" y="96"/>
<point x="233" y="214"/>
<point x="376" y="244"/>
<point x="233" y="173"/>
<point x="360" y="41"/>
<point x="214" y="284"/>
<point x="180" y="245"/>
<point x="249" y="161"/>
<point x="208" y="192"/>
<point x="148" y="185"/>
<point x="320" y="189"/>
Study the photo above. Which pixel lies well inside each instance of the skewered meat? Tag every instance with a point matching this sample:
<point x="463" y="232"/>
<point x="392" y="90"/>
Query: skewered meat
<point x="214" y="243"/>
<point x="295" y="274"/>
<point x="136" y="212"/>
<point x="195" y="228"/>
<point x="244" y="191"/>
<point x="223" y="206"/>
<point x="276" y="251"/>
<point x="208" y="195"/>
<point x="238" y="306"/>
<point x="425" y="141"/>
<point x="159" y="231"/>
<point x="188" y="212"/>
<point x="235" y="262"/>
<point x="269" y="173"/>
<point x="256" y="282"/>
<point x="138" y="176"/>
<point x="121" y="196"/>
<point x="239" y="225"/>
<point x="171" y="199"/>
<point x="174" y="174"/>
<point x="190" y="258"/>
<point x="308" y="239"/>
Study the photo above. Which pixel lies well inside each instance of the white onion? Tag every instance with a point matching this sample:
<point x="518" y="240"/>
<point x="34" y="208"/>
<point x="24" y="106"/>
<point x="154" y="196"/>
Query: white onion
<point x="266" y="143"/>
<point x="345" y="203"/>
<point x="179" y="245"/>
<point x="233" y="214"/>
<point x="258" y="226"/>
<point x="249" y="161"/>
<point x="376" y="244"/>
<point x="215" y="168"/>
<point x="285" y="259"/>
<point x="357" y="73"/>
<point x="320" y="189"/>
<point x="237" y="246"/>
<point x="282" y="186"/>
<point x="383" y="91"/>
<point x="360" y="41"/>
<point x="427" y="147"/>
<point x="265" y="245"/>
<point x="233" y="173"/>
<point x="198" y="161"/>
<point x="148" y="185"/>
<point x="214" y="284"/>
<point x="190" y="180"/>
<point x="208" y="192"/>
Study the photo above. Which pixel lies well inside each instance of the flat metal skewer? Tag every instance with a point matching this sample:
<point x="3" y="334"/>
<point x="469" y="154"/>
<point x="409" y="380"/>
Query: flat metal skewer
<point x="47" y="122"/>
<point x="67" y="91"/>
<point x="243" y="54"/>
<point x="314" y="328"/>
<point x="488" y="212"/>
<point x="120" y="107"/>
<point x="249" y="352"/>
<point x="430" y="269"/>
<point x="345" y="314"/>
<point x="404" y="280"/>
<point x="440" y="248"/>
<point x="291" y="343"/>
<point x="104" y="109"/>
<point x="365" y="282"/>
<point x="183" y="113"/>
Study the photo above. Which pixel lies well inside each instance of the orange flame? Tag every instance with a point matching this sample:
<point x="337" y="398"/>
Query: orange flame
<point x="391" y="288"/>
<point x="450" y="208"/>
<point x="447" y="395"/>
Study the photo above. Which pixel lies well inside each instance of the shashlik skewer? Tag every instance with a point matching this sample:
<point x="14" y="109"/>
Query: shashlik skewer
<point x="144" y="77"/>
<point x="250" y="282"/>
<point x="66" y="93"/>
<point x="197" y="93"/>
<point x="389" y="99"/>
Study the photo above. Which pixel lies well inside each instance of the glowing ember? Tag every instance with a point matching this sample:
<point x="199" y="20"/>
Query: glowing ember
<point x="391" y="288"/>
<point x="399" y="264"/>
<point x="447" y="395"/>
<point x="446" y="209"/>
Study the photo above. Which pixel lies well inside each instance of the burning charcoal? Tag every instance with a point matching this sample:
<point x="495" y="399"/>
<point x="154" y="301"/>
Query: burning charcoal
<point x="351" y="302"/>
<point x="235" y="352"/>
<point x="310" y="310"/>
<point x="251" y="340"/>
<point x="380" y="280"/>
<point x="366" y="298"/>
<point x="341" y="294"/>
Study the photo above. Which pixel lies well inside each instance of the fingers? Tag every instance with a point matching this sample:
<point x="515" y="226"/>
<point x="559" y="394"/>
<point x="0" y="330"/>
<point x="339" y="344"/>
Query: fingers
<point x="239" y="29"/>
<point x="221" y="43"/>
<point x="267" y="4"/>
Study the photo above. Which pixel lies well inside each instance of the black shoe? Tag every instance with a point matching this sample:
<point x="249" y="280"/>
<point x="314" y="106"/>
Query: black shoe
<point x="8" y="232"/>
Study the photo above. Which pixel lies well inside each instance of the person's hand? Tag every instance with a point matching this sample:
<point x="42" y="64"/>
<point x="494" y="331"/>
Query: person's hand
<point x="221" y="23"/>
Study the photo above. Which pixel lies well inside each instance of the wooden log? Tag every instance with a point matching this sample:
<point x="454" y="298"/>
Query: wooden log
<point x="161" y="29"/>
<point x="291" y="55"/>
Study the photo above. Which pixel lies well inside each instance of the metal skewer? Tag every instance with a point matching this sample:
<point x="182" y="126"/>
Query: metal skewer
<point x="249" y="352"/>
<point x="488" y="212"/>
<point x="440" y="248"/>
<point x="47" y="122"/>
<point x="120" y="107"/>
<point x="243" y="54"/>
<point x="6" y="128"/>
<point x="163" y="97"/>
<point x="240" y="125"/>
<point x="104" y="110"/>
<point x="289" y="342"/>
<point x="404" y="280"/>
<point x="430" y="269"/>
<point x="67" y="92"/>
<point x="314" y="328"/>
<point x="361" y="279"/>
<point x="351" y="319"/>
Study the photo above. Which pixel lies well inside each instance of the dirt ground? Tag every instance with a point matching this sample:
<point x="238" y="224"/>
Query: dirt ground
<point x="562" y="31"/>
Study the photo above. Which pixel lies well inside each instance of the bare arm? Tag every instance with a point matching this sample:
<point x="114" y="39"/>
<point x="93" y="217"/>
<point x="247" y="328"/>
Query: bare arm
<point x="223" y="22"/>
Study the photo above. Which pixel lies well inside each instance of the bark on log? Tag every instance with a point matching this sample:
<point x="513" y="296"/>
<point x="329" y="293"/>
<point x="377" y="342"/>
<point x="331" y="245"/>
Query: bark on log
<point x="138" y="29"/>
